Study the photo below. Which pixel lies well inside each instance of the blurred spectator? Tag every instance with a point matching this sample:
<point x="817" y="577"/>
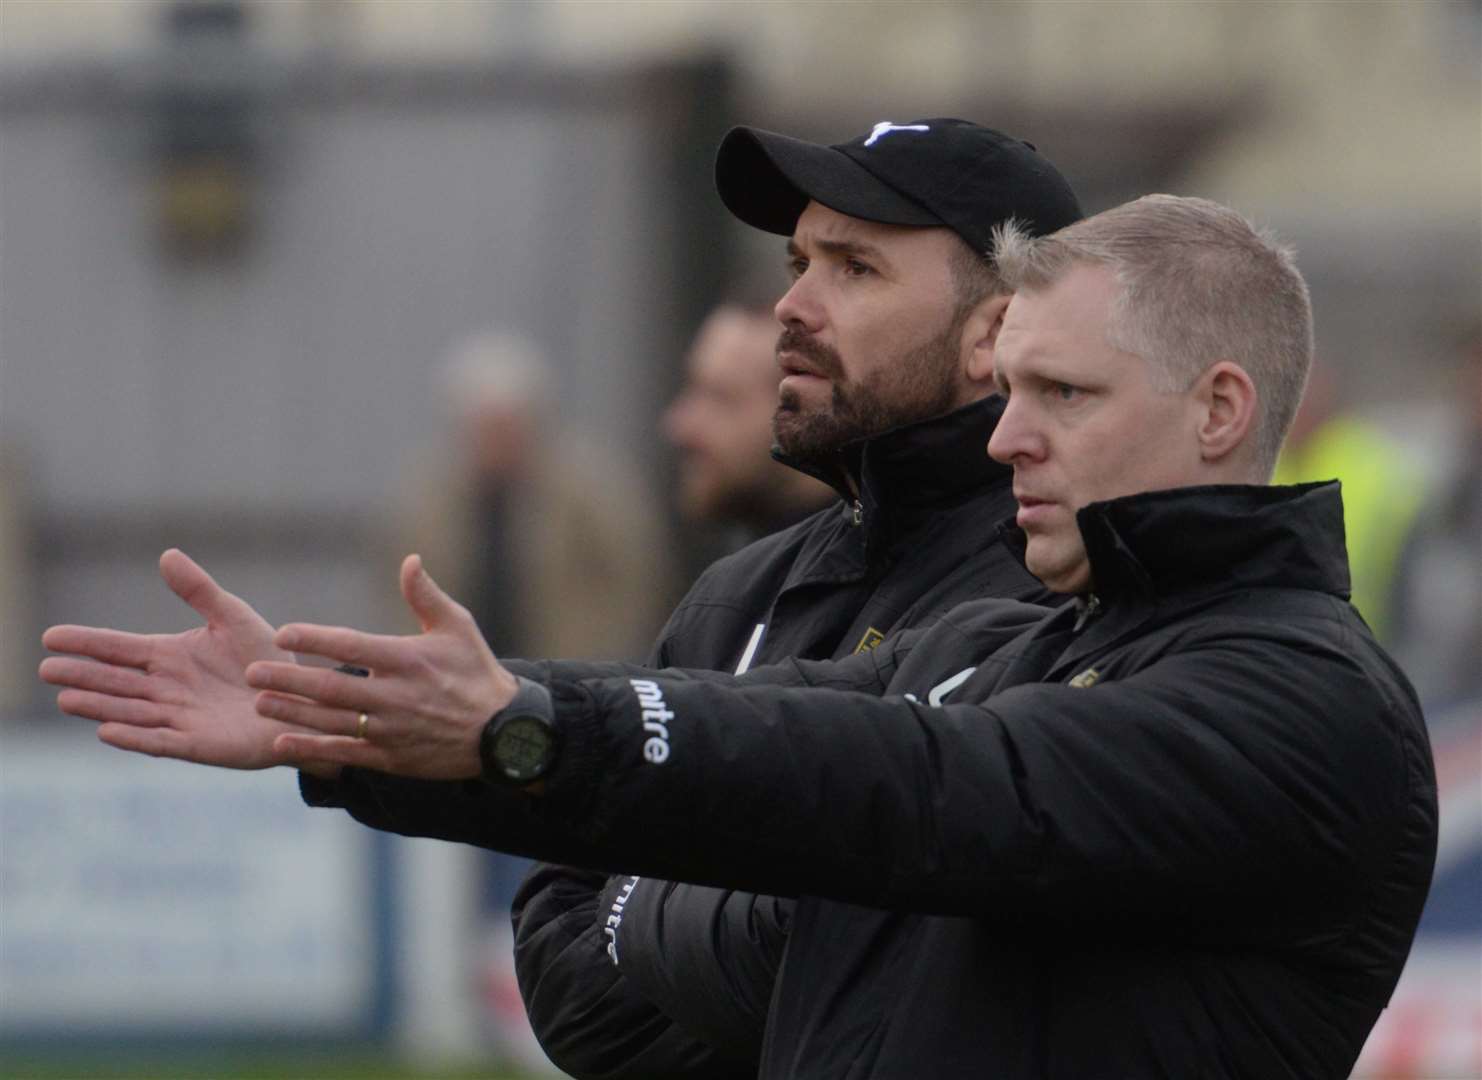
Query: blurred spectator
<point x="1437" y="603"/>
<point x="721" y="424"/>
<point x="550" y="544"/>
<point x="542" y="535"/>
<point x="18" y="655"/>
<point x="1381" y="490"/>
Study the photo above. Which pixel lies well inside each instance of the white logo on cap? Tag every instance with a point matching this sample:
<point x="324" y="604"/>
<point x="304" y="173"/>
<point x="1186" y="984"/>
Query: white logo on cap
<point x="885" y="127"/>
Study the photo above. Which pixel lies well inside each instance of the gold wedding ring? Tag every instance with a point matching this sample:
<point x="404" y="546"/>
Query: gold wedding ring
<point x="361" y="725"/>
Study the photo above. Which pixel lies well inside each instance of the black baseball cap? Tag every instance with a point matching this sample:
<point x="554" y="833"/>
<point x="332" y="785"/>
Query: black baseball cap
<point x="927" y="172"/>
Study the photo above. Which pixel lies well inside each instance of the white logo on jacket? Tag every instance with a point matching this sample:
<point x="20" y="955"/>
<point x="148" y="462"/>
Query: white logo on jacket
<point x="935" y="695"/>
<point x="656" y="719"/>
<point x="615" y="917"/>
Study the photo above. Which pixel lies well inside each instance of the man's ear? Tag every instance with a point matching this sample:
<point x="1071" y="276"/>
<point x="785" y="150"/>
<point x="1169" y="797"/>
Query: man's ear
<point x="1229" y="403"/>
<point x="980" y="336"/>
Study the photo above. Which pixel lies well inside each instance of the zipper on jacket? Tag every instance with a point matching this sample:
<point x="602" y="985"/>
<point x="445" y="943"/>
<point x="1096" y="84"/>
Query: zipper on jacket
<point x="856" y="506"/>
<point x="1090" y="608"/>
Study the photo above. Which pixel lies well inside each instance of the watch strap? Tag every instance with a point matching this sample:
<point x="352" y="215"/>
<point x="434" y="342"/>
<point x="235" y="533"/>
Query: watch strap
<point x="530" y="698"/>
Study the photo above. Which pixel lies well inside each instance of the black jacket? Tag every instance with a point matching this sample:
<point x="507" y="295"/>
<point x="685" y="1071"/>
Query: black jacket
<point x="1186" y="830"/>
<point x="920" y="538"/>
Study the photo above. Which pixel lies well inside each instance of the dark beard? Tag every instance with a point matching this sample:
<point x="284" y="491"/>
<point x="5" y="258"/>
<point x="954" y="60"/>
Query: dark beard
<point x="920" y="385"/>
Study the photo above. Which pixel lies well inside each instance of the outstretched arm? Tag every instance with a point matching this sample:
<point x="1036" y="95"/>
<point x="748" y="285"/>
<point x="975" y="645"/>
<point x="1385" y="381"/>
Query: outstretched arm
<point x="433" y="692"/>
<point x="181" y="695"/>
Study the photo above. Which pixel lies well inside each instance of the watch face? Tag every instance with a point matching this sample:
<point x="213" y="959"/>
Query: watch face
<point x="522" y="747"/>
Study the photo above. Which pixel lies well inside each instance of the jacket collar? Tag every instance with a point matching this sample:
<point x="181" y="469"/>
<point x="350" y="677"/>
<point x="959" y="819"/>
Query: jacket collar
<point x="1219" y="538"/>
<point x="916" y="465"/>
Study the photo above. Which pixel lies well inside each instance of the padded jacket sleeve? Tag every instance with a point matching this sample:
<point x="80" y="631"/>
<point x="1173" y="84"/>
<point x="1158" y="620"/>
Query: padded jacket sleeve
<point x="673" y="976"/>
<point x="709" y="957"/>
<point x="595" y="1026"/>
<point x="1219" y="775"/>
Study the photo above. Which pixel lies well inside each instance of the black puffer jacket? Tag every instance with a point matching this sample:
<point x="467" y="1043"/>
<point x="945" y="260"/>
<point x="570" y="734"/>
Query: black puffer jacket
<point x="918" y="540"/>
<point x="1184" y="831"/>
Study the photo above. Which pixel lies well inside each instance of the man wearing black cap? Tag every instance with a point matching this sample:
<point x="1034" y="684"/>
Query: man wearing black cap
<point x="886" y="353"/>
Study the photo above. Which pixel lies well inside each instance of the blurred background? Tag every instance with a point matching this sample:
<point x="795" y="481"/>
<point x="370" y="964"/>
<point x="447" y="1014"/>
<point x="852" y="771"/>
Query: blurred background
<point x="299" y="285"/>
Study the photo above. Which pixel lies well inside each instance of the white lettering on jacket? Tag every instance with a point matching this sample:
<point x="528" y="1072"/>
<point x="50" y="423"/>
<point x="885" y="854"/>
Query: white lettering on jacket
<point x="615" y="917"/>
<point x="656" y="719"/>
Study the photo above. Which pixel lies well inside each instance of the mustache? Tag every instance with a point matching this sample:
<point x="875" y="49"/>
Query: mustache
<point x="824" y="359"/>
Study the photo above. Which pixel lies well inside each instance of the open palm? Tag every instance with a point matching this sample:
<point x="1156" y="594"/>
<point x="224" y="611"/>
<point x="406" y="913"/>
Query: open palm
<point x="173" y="695"/>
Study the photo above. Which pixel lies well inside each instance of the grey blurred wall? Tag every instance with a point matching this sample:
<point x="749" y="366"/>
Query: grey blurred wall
<point x="259" y="408"/>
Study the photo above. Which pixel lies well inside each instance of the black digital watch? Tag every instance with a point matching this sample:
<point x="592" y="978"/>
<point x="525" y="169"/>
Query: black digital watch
<point x="518" y="745"/>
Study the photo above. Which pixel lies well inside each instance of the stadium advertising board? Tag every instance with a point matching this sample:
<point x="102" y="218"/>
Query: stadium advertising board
<point x="141" y="895"/>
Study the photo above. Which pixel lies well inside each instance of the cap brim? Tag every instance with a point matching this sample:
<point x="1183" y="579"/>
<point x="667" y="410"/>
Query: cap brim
<point x="767" y="180"/>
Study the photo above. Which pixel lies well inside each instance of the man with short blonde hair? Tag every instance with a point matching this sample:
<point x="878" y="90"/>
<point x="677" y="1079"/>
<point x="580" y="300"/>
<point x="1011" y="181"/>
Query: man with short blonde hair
<point x="1170" y="255"/>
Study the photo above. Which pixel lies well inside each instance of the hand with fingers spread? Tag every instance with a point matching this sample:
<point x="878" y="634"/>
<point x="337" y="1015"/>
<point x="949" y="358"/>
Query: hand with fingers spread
<point x="173" y="695"/>
<point x="420" y="715"/>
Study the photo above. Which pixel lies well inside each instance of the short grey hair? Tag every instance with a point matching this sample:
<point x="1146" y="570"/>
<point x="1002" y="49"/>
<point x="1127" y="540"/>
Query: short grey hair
<point x="1199" y="283"/>
<point x="975" y="276"/>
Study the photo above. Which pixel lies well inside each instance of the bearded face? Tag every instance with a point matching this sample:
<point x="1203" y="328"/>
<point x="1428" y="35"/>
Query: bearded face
<point x="917" y="383"/>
